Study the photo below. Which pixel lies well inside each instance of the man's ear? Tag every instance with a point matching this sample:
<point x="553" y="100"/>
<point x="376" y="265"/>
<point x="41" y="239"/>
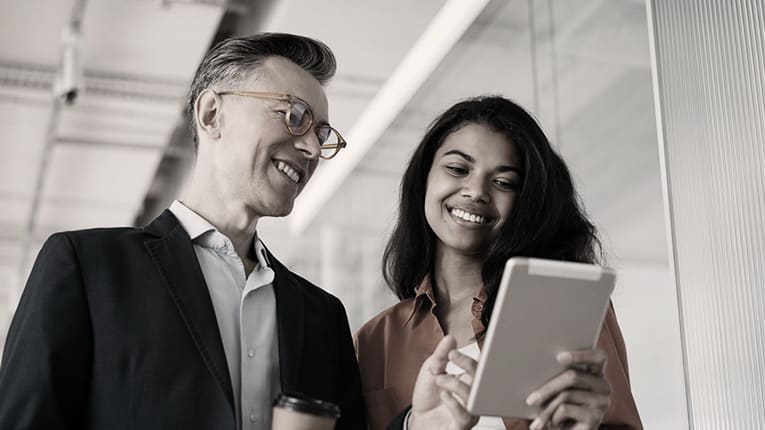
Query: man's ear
<point x="207" y="110"/>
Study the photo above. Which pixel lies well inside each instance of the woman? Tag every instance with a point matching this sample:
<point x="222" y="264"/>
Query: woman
<point x="483" y="185"/>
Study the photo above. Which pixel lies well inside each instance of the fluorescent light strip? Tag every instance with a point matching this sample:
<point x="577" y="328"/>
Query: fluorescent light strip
<point x="448" y="26"/>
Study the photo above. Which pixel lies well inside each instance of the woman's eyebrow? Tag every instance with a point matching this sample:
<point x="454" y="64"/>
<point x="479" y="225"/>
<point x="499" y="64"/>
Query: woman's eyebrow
<point x="501" y="168"/>
<point x="460" y="153"/>
<point x="506" y="168"/>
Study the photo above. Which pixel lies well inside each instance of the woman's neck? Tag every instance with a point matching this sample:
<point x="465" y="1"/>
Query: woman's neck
<point x="456" y="280"/>
<point x="456" y="277"/>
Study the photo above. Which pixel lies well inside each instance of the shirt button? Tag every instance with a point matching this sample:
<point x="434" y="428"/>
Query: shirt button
<point x="253" y="418"/>
<point x="250" y="353"/>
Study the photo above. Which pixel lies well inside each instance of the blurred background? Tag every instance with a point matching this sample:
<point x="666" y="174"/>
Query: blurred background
<point x="92" y="99"/>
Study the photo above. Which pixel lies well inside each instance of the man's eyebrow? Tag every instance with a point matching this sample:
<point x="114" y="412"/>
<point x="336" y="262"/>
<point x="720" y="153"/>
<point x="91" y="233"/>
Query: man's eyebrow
<point x="502" y="168"/>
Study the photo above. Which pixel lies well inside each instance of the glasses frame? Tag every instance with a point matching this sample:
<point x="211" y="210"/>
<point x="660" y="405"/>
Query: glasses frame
<point x="292" y="100"/>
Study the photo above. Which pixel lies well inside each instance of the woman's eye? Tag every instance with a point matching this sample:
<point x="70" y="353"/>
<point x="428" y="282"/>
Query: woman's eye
<point x="456" y="170"/>
<point x="505" y="185"/>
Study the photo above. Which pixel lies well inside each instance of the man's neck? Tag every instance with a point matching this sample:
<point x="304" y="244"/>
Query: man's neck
<point x="228" y="216"/>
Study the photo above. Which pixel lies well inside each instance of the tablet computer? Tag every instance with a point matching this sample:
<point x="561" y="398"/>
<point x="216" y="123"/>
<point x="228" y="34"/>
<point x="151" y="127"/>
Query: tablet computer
<point x="543" y="307"/>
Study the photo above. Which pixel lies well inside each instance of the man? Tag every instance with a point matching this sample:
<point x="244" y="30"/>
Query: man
<point x="190" y="322"/>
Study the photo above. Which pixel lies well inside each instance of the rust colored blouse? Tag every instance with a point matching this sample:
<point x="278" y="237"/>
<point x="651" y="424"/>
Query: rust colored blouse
<point x="392" y="346"/>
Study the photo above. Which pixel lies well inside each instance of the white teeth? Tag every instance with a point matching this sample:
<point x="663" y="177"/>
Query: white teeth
<point x="459" y="213"/>
<point x="289" y="171"/>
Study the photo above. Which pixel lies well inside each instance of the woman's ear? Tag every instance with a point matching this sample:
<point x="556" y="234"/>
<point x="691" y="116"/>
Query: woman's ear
<point x="207" y="110"/>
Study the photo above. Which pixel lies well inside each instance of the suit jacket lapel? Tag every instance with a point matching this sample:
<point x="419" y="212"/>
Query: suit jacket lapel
<point x="289" y="320"/>
<point x="174" y="257"/>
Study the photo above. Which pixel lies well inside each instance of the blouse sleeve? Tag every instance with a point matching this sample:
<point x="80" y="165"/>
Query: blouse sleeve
<point x="622" y="413"/>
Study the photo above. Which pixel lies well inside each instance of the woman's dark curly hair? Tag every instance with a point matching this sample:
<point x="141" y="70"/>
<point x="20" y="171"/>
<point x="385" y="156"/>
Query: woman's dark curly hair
<point x="547" y="220"/>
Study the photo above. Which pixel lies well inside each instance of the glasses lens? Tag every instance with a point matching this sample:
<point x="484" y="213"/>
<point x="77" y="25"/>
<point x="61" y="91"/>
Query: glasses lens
<point x="330" y="141"/>
<point x="299" y="119"/>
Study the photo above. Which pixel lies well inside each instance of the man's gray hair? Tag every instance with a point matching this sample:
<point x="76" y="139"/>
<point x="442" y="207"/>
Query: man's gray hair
<point x="234" y="60"/>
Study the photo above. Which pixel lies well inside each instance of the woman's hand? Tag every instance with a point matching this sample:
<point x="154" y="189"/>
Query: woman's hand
<point x="576" y="399"/>
<point x="439" y="399"/>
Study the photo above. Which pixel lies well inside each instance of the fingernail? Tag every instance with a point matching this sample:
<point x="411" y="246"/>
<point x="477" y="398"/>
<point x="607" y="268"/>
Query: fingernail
<point x="536" y="424"/>
<point x="532" y="399"/>
<point x="564" y="356"/>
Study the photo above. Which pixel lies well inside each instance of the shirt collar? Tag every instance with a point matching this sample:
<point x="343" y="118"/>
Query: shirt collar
<point x="477" y="310"/>
<point x="425" y="298"/>
<point x="191" y="221"/>
<point x="196" y="227"/>
<point x="425" y="291"/>
<point x="260" y="252"/>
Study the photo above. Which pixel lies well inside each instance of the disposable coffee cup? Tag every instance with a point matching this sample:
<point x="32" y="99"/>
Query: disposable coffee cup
<point x="293" y="411"/>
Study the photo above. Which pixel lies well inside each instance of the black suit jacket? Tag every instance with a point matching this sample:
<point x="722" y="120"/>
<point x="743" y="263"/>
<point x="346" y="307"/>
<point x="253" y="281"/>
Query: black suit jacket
<point x="116" y="330"/>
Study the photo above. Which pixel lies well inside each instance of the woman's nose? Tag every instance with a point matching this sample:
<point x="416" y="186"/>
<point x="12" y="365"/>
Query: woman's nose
<point x="475" y="189"/>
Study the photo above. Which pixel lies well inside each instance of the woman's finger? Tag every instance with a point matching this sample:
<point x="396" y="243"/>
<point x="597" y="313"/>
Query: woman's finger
<point x="569" y="379"/>
<point x="597" y="402"/>
<point x="460" y="415"/>
<point x="436" y="363"/>
<point x="463" y="362"/>
<point x="582" y="416"/>
<point x="454" y="385"/>
<point x="588" y="360"/>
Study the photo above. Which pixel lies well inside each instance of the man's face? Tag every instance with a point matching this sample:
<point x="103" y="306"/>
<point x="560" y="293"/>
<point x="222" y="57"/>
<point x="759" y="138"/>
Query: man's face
<point x="256" y="161"/>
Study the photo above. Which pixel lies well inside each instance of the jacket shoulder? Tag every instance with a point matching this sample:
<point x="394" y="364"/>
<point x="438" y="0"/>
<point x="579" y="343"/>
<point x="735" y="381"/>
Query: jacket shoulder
<point x="97" y="242"/>
<point x="96" y="234"/>
<point x="310" y="286"/>
<point x="310" y="291"/>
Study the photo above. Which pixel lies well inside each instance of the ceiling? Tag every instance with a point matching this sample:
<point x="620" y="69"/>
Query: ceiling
<point x="120" y="153"/>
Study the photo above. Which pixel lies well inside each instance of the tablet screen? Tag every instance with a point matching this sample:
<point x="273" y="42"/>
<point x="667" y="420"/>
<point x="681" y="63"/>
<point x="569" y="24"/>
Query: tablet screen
<point x="543" y="307"/>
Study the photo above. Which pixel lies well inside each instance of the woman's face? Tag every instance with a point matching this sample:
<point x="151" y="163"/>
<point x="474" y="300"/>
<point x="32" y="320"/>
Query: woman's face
<point x="471" y="188"/>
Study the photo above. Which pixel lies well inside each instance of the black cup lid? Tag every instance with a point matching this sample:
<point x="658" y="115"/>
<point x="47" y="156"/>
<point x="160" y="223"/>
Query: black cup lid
<point x="302" y="403"/>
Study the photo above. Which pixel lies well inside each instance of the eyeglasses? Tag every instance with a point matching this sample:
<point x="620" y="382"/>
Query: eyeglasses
<point x="298" y="119"/>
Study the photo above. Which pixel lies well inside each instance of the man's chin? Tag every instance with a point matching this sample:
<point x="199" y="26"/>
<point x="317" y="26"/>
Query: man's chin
<point x="274" y="205"/>
<point x="280" y="211"/>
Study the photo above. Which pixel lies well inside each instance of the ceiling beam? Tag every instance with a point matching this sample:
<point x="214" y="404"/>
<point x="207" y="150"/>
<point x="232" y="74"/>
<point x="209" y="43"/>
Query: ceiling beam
<point x="25" y="76"/>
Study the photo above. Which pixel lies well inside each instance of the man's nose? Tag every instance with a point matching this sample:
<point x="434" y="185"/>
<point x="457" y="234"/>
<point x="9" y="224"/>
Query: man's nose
<point x="309" y="144"/>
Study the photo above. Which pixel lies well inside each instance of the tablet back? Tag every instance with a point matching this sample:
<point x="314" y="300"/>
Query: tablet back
<point x="543" y="307"/>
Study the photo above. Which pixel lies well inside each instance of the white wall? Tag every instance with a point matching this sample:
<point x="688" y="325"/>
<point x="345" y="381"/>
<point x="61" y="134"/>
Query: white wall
<point x="646" y="307"/>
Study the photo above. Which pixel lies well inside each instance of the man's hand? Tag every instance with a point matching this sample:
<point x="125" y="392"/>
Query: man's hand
<point x="439" y="399"/>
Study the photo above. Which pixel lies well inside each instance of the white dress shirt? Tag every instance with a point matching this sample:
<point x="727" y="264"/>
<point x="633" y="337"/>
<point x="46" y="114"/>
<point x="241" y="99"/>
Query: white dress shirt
<point x="245" y="308"/>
